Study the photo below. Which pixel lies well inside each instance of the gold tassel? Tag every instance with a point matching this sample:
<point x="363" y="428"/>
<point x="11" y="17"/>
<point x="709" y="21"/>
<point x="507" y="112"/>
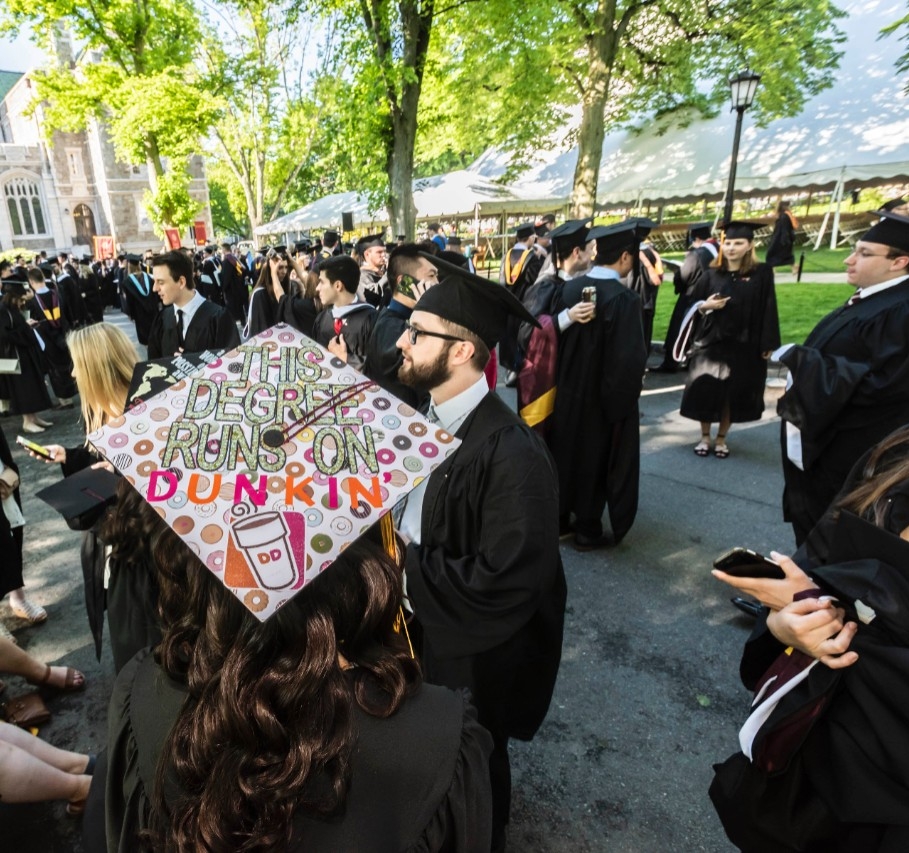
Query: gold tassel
<point x="390" y="544"/>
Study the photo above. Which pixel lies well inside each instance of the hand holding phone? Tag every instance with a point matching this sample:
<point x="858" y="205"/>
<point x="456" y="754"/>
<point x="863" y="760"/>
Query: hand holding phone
<point x="744" y="563"/>
<point x="35" y="449"/>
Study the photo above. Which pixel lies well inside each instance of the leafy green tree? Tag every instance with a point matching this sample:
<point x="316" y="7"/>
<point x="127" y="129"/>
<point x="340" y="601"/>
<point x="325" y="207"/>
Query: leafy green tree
<point x="139" y="79"/>
<point x="902" y="27"/>
<point x="623" y="62"/>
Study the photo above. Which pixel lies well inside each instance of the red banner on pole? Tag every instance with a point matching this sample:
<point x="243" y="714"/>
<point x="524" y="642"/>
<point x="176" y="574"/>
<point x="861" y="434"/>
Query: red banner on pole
<point x="103" y="248"/>
<point x="173" y="238"/>
<point x="199" y="232"/>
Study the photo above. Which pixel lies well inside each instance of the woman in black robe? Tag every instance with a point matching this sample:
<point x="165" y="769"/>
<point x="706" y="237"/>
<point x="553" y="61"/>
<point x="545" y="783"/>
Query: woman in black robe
<point x="734" y="327"/>
<point x="781" y="248"/>
<point x="27" y="391"/>
<point x="826" y="761"/>
<point x="308" y="731"/>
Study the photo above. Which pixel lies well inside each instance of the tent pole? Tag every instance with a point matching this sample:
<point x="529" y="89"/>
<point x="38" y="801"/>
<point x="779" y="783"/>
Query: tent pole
<point x="823" y="228"/>
<point x="476" y="226"/>
<point x="835" y="231"/>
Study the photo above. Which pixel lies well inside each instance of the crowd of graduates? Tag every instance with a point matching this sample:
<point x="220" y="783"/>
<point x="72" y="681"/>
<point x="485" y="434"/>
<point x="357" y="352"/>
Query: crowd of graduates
<point x="569" y="322"/>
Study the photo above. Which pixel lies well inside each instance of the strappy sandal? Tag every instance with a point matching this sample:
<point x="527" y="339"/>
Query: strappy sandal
<point x="721" y="451"/>
<point x="73" y="682"/>
<point x="29" y="611"/>
<point x="702" y="448"/>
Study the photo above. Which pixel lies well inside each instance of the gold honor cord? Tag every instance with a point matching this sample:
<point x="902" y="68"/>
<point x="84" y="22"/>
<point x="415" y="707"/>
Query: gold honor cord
<point x="390" y="544"/>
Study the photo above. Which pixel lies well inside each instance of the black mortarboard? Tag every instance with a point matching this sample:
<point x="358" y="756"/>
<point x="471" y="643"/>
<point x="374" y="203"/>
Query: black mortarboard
<point x="739" y="229"/>
<point x="121" y="256"/>
<point x="894" y="202"/>
<point x="454" y="240"/>
<point x="541" y="229"/>
<point x="522" y="232"/>
<point x="134" y="259"/>
<point x="265" y="249"/>
<point x="573" y="232"/>
<point x="14" y="287"/>
<point x="892" y="230"/>
<point x="370" y="241"/>
<point x="455" y="258"/>
<point x="86" y="259"/>
<point x="211" y="249"/>
<point x="620" y="234"/>
<point x="331" y="236"/>
<point x="278" y="250"/>
<point x="47" y="269"/>
<point x="471" y="301"/>
<point x="302" y="246"/>
<point x="699" y="231"/>
<point x="81" y="493"/>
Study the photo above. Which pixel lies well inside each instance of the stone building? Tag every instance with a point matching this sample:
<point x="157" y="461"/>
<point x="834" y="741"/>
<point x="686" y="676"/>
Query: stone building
<point x="61" y="195"/>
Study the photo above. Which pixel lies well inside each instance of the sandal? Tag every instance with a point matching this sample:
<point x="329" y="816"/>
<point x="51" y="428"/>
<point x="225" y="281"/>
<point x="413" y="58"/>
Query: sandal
<point x="721" y="451"/>
<point x="73" y="682"/>
<point x="29" y="611"/>
<point x="702" y="448"/>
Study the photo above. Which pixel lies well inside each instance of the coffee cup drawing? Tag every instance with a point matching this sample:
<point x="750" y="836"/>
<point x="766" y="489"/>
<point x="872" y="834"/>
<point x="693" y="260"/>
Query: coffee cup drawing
<point x="262" y="539"/>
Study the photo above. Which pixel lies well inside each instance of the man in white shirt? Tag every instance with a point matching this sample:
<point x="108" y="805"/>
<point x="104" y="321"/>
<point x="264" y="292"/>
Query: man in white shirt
<point x="849" y="382"/>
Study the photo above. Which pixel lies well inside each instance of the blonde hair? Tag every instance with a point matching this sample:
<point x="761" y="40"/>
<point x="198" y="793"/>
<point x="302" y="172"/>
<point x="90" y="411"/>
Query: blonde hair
<point x="103" y="362"/>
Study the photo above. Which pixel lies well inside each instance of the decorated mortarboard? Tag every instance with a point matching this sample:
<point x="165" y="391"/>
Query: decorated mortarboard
<point x="740" y="229"/>
<point x="471" y="301"/>
<point x="699" y="231"/>
<point x="133" y="258"/>
<point x="370" y="241"/>
<point x="152" y="377"/>
<point x="574" y="232"/>
<point x="892" y="230"/>
<point x="522" y="232"/>
<point x="272" y="459"/>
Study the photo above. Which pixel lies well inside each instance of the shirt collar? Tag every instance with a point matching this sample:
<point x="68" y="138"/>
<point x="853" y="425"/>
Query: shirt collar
<point x="452" y="413"/>
<point x="190" y="308"/>
<point x="865" y="292"/>
<point x="605" y="273"/>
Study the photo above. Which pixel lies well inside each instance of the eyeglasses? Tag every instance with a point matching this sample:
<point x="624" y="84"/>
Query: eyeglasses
<point x="414" y="333"/>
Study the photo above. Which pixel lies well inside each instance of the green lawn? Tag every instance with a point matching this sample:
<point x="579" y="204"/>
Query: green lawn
<point x="823" y="260"/>
<point x="800" y="307"/>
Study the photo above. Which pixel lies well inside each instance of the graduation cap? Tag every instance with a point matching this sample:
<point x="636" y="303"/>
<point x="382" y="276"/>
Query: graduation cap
<point x="121" y="256"/>
<point x="620" y="234"/>
<point x="211" y="249"/>
<point x="302" y="246"/>
<point x="892" y="230"/>
<point x="84" y="493"/>
<point x="370" y="241"/>
<point x="15" y="288"/>
<point x="270" y="460"/>
<point x="699" y="231"/>
<point x="152" y="377"/>
<point x="471" y="301"/>
<point x="279" y="250"/>
<point x="739" y="229"/>
<point x="522" y="232"/>
<point x="571" y="233"/>
<point x="133" y="258"/>
<point x="454" y="240"/>
<point x="455" y="258"/>
<point x="265" y="249"/>
<point x="47" y="269"/>
<point x="331" y="236"/>
<point x="541" y="229"/>
<point x="86" y="259"/>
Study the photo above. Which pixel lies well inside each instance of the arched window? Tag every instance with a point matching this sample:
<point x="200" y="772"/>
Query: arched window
<point x="23" y="203"/>
<point x="84" y="220"/>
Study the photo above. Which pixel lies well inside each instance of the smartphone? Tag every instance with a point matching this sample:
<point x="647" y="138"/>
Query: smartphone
<point x="37" y="449"/>
<point x="588" y="294"/>
<point x="406" y="284"/>
<point x="744" y="563"/>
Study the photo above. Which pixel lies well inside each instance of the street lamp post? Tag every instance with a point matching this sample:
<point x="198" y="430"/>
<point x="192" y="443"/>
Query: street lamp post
<point x="743" y="86"/>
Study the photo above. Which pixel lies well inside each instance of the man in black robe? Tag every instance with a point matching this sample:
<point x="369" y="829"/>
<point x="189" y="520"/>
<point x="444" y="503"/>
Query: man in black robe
<point x="233" y="280"/>
<point x="410" y="275"/>
<point x="596" y="426"/>
<point x="72" y="303"/>
<point x="482" y="564"/>
<point x="850" y="380"/>
<point x="188" y="322"/>
<point x="374" y="287"/>
<point x="91" y="290"/>
<point x="144" y="304"/>
<point x="520" y="268"/>
<point x="344" y="324"/>
<point x="211" y="285"/>
<point x="702" y="251"/>
<point x="46" y="318"/>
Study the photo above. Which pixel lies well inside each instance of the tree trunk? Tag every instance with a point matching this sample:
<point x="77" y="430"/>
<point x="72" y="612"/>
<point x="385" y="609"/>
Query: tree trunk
<point x="153" y="161"/>
<point x="402" y="211"/>
<point x="600" y="50"/>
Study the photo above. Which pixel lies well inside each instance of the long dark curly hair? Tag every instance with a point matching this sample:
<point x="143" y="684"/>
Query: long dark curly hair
<point x="266" y="732"/>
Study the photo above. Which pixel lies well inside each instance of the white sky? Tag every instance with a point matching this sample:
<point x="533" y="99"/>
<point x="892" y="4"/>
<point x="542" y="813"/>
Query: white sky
<point x="19" y="55"/>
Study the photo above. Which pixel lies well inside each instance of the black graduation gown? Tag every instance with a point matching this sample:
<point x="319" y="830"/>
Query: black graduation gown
<point x="72" y="303"/>
<point x="384" y="359"/>
<point x="27" y="391"/>
<point x="233" y="283"/>
<point x="780" y="249"/>
<point x="210" y="281"/>
<point x="596" y="426"/>
<point x="372" y="289"/>
<point x="696" y="264"/>
<point x="212" y="328"/>
<point x="486" y="580"/>
<point x="509" y="352"/>
<point x="639" y="281"/>
<point x="263" y="312"/>
<point x="419" y="778"/>
<point x="725" y="363"/>
<point x="55" y="359"/>
<point x="92" y="296"/>
<point x="356" y="326"/>
<point x="144" y="303"/>
<point x="850" y="389"/>
<point x="10" y="538"/>
<point x="300" y="312"/>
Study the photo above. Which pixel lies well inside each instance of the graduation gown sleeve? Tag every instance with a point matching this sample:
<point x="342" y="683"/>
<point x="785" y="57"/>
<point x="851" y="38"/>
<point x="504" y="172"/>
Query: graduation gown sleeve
<point x="299" y="312"/>
<point x="262" y="312"/>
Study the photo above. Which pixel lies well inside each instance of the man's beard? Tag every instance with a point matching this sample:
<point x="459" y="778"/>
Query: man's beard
<point x="425" y="377"/>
